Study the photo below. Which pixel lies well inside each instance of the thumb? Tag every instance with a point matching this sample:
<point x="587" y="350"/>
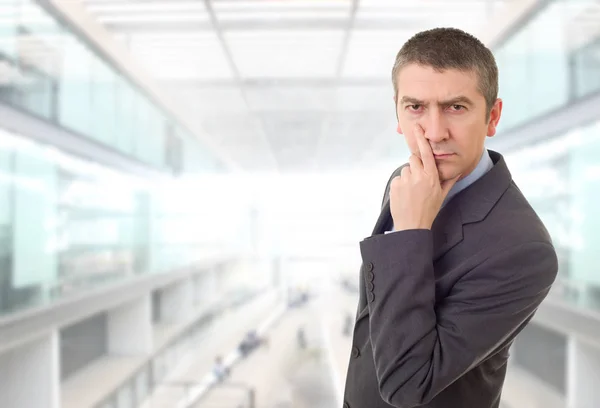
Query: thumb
<point x="447" y="186"/>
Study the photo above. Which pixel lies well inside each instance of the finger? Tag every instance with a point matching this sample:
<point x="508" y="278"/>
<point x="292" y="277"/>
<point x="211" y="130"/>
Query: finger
<point x="447" y="186"/>
<point x="426" y="153"/>
<point x="415" y="163"/>
<point x="405" y="172"/>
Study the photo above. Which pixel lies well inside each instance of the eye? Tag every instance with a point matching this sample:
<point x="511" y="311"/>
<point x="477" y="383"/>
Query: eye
<point x="457" y="107"/>
<point x="414" y="107"/>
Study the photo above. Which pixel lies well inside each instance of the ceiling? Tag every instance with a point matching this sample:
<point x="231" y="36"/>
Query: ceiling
<point x="285" y="85"/>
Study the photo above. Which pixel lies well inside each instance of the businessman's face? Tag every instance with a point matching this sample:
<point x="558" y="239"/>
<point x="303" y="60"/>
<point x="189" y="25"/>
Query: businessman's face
<point x="451" y="110"/>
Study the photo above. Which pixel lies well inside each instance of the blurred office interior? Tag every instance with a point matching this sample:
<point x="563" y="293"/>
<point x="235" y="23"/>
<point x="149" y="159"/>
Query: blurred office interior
<point x="184" y="184"/>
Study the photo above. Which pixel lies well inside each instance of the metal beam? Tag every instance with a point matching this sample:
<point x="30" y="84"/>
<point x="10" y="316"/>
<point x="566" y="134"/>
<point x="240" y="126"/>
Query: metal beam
<point x="236" y="74"/>
<point x="323" y="135"/>
<point x="346" y="41"/>
<point x="216" y="26"/>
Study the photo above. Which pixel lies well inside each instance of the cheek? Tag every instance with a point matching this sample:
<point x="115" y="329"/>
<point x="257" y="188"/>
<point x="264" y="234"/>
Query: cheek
<point x="406" y="125"/>
<point x="447" y="171"/>
<point x="467" y="135"/>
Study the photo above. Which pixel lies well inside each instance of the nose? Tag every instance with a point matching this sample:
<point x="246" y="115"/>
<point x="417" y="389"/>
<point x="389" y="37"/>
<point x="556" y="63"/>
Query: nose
<point x="435" y="127"/>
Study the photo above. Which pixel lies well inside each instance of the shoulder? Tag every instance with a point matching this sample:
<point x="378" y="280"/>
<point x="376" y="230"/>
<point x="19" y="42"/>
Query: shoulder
<point x="521" y="216"/>
<point x="394" y="174"/>
<point x="511" y="224"/>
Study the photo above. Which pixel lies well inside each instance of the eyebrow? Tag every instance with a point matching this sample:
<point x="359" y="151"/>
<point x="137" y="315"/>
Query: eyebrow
<point x="452" y="101"/>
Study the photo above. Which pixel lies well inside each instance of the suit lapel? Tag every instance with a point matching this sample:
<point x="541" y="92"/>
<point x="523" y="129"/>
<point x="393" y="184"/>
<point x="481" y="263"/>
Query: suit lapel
<point x="447" y="229"/>
<point x="471" y="205"/>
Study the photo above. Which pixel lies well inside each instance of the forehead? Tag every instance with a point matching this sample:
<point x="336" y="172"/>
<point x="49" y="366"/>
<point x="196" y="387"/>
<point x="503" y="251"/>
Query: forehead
<point x="426" y="83"/>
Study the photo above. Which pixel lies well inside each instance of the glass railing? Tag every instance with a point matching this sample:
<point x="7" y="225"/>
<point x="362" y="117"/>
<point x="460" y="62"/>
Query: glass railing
<point x="152" y="373"/>
<point x="560" y="176"/>
<point x="586" y="69"/>
<point x="48" y="71"/>
<point x="68" y="225"/>
<point x="552" y="60"/>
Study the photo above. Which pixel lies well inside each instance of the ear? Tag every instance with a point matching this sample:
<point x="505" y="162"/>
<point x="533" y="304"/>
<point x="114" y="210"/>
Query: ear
<point x="495" y="115"/>
<point x="398" y="129"/>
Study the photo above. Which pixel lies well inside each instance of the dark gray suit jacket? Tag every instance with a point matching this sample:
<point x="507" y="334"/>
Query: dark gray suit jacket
<point x="440" y="308"/>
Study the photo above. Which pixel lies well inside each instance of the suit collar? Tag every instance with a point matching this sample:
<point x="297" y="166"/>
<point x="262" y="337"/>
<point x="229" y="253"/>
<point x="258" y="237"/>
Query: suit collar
<point x="471" y="205"/>
<point x="478" y="199"/>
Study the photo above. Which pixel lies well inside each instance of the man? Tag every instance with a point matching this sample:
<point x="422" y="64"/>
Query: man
<point x="458" y="261"/>
<point x="220" y="370"/>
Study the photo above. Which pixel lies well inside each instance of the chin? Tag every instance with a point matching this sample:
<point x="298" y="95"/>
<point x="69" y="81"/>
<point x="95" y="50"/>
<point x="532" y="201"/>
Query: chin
<point x="444" y="178"/>
<point x="446" y="173"/>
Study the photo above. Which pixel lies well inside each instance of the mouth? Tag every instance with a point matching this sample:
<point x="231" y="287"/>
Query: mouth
<point x="443" y="155"/>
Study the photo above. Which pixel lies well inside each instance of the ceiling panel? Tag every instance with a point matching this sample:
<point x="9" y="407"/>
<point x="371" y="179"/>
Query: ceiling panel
<point x="293" y="137"/>
<point x="241" y="16"/>
<point x="291" y="98"/>
<point x="371" y="53"/>
<point x="128" y="11"/>
<point x="285" y="54"/>
<point x="289" y="85"/>
<point x="347" y="136"/>
<point x="282" y="15"/>
<point x="155" y="17"/>
<point x="469" y="15"/>
<point x="279" y="6"/>
<point x="100" y="7"/>
<point x="181" y="56"/>
<point x="583" y="24"/>
<point x="353" y="98"/>
<point x="207" y="100"/>
<point x="243" y="136"/>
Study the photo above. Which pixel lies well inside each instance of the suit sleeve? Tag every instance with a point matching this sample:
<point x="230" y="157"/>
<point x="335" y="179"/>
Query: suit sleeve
<point x="420" y="347"/>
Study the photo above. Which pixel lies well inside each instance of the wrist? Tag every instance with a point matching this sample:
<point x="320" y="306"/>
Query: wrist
<point x="410" y="226"/>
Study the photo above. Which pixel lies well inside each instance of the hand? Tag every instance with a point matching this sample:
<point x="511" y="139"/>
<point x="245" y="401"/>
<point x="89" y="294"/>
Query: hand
<point x="416" y="196"/>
